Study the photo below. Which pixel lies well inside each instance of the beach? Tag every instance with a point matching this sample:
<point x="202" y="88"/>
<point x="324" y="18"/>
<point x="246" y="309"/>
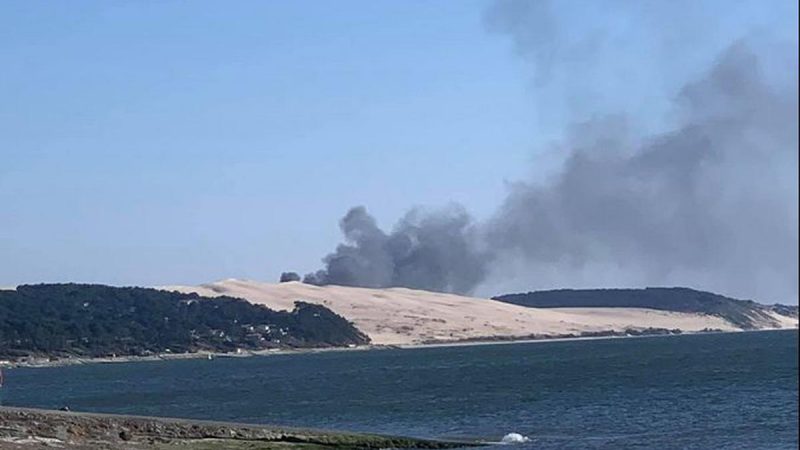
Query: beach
<point x="25" y="428"/>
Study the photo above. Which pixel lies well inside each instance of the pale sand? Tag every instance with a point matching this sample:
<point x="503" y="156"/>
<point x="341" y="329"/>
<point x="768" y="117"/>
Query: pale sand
<point x="784" y="321"/>
<point x="400" y="316"/>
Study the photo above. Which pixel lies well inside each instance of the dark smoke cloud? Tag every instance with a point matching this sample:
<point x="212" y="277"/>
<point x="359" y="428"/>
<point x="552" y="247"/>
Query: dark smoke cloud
<point x="426" y="250"/>
<point x="710" y="203"/>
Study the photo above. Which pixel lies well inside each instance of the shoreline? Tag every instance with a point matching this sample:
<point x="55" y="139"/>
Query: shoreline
<point x="20" y="428"/>
<point x="44" y="362"/>
<point x="470" y="343"/>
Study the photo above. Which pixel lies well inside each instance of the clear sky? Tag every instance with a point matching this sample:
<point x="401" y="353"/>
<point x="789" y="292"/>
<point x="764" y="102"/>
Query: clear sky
<point x="166" y="142"/>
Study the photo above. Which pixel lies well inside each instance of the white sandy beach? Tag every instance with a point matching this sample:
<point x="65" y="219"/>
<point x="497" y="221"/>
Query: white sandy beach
<point x="400" y="316"/>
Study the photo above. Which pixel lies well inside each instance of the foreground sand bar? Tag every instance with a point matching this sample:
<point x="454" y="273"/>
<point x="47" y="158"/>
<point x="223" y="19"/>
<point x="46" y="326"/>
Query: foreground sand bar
<point x="24" y="429"/>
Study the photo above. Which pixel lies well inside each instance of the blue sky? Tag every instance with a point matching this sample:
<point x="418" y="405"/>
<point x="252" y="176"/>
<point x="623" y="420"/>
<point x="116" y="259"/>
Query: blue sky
<point x="181" y="142"/>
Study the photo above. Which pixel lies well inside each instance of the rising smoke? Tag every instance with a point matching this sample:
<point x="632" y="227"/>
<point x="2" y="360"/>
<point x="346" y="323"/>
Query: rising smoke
<point x="426" y="250"/>
<point x="710" y="203"/>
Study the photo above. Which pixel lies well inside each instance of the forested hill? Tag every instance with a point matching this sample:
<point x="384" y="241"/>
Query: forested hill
<point x="61" y="320"/>
<point x="746" y="314"/>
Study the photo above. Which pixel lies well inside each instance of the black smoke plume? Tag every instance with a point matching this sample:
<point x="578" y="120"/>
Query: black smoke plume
<point x="710" y="203"/>
<point x="426" y="250"/>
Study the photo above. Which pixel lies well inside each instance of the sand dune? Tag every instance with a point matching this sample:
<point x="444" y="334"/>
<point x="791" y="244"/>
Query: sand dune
<point x="400" y="316"/>
<point x="784" y="321"/>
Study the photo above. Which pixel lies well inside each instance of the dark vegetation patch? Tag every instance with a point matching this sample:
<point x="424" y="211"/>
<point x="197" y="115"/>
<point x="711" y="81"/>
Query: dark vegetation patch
<point x="746" y="314"/>
<point x="61" y="320"/>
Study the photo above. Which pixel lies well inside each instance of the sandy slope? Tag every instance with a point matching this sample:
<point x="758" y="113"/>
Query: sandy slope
<point x="784" y="321"/>
<point x="405" y="316"/>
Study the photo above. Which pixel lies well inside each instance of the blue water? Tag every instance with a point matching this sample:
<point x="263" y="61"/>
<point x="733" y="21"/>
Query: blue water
<point x="731" y="391"/>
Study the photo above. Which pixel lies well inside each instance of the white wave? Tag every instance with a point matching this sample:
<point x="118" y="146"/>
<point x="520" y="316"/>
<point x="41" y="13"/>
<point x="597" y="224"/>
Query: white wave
<point x="514" y="438"/>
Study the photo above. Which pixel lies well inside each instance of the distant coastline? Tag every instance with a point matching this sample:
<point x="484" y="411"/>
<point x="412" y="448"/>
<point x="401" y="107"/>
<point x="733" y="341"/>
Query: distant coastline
<point x="43" y="362"/>
<point x="66" y="324"/>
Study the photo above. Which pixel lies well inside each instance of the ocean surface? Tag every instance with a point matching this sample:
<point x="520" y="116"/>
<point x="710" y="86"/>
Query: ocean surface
<point x="716" y="391"/>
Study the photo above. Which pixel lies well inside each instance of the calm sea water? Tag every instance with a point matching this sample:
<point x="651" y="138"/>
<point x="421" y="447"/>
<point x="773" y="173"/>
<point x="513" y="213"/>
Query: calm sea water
<point x="735" y="391"/>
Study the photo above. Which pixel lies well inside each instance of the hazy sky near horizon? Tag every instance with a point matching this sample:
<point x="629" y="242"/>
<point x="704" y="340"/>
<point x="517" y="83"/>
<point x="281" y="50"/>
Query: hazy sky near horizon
<point x="172" y="142"/>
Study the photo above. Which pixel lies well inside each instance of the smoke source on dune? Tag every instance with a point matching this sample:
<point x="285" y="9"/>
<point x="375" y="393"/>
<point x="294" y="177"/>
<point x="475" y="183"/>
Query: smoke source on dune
<point x="710" y="202"/>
